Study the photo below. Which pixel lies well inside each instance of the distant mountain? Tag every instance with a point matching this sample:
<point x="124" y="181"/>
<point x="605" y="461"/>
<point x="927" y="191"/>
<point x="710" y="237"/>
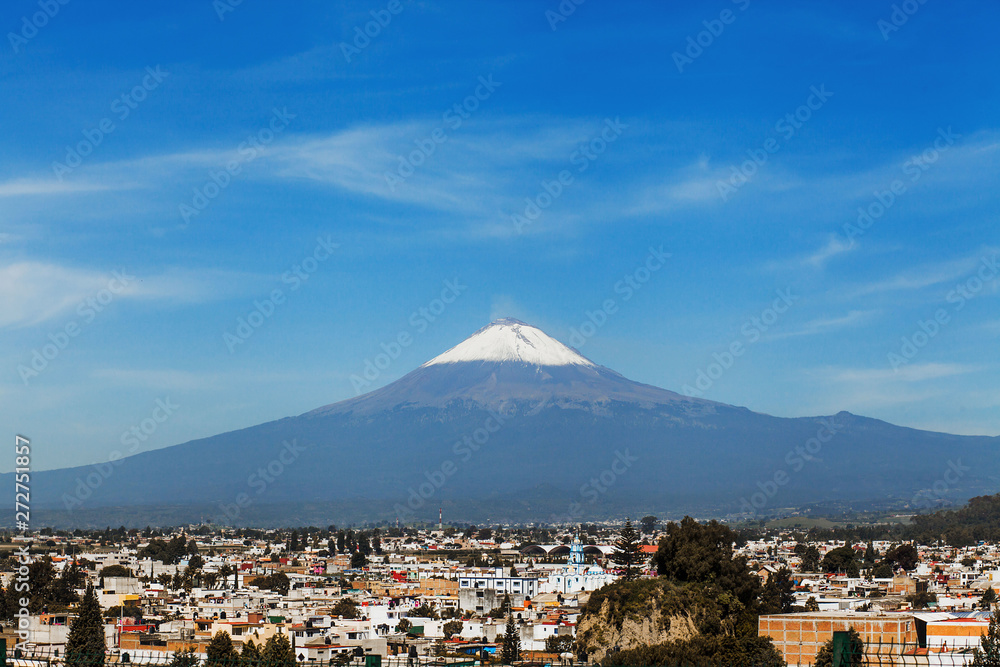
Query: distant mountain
<point x="513" y="425"/>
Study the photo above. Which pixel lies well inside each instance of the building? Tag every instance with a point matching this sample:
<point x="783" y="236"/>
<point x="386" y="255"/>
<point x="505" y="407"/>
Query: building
<point x="800" y="636"/>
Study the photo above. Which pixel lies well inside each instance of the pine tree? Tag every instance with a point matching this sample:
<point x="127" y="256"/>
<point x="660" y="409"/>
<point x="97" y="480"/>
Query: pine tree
<point x="987" y="654"/>
<point x="988" y="600"/>
<point x="250" y="656"/>
<point x="85" y="645"/>
<point x="627" y="552"/>
<point x="278" y="652"/>
<point x="221" y="652"/>
<point x="511" y="646"/>
<point x="185" y="658"/>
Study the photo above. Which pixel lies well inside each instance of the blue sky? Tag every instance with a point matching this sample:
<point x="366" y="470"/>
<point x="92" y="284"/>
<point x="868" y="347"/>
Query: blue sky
<point x="655" y="150"/>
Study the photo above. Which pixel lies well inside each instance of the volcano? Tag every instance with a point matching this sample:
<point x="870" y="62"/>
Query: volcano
<point x="512" y="425"/>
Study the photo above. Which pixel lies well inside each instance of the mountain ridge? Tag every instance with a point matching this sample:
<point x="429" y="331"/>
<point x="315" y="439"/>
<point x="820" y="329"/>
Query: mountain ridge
<point x="555" y="427"/>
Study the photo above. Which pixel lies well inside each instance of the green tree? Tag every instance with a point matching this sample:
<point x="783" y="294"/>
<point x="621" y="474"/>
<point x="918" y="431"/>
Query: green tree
<point x="810" y="557"/>
<point x="185" y="658"/>
<point x="116" y="571"/>
<point x="696" y="552"/>
<point x="988" y="600"/>
<point x="905" y="556"/>
<point x="987" y="654"/>
<point x="221" y="652"/>
<point x="627" y="553"/>
<point x="921" y="600"/>
<point x="855" y="651"/>
<point x="277" y="582"/>
<point x="647" y="524"/>
<point x="250" y="655"/>
<point x="346" y="608"/>
<point x="358" y="560"/>
<point x="882" y="571"/>
<point x="812" y="604"/>
<point x="85" y="645"/>
<point x="404" y="625"/>
<point x="510" y="651"/>
<point x="278" y="652"/>
<point x="452" y="628"/>
<point x="777" y="597"/>
<point x="842" y="560"/>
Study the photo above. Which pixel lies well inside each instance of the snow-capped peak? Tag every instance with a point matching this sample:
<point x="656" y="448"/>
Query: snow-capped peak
<point x="512" y="340"/>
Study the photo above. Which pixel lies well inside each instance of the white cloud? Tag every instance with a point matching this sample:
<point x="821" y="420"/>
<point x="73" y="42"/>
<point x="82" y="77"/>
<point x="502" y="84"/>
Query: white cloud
<point x="35" y="292"/>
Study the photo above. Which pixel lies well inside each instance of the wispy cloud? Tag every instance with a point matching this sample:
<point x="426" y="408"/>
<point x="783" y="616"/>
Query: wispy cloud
<point x="35" y="292"/>
<point x="27" y="187"/>
<point x="826" y="325"/>
<point x="927" y="275"/>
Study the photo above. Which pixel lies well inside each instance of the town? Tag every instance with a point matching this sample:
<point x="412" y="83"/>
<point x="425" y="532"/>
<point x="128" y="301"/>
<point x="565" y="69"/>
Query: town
<point x="467" y="595"/>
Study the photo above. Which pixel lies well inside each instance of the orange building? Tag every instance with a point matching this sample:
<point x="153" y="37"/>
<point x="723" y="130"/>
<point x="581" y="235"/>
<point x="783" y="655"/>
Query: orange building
<point x="800" y="636"/>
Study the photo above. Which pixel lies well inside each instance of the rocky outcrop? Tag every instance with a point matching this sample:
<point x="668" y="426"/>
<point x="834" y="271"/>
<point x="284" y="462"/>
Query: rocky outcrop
<point x="628" y="615"/>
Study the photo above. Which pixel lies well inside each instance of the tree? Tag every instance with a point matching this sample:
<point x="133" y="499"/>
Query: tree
<point x="988" y="600"/>
<point x="85" y="645"/>
<point x="250" y="655"/>
<point x="647" y="524"/>
<point x="921" y="600"/>
<point x="843" y="560"/>
<point x="511" y="644"/>
<point x="424" y="611"/>
<point x="404" y="625"/>
<point x="559" y="643"/>
<point x="703" y="553"/>
<point x="346" y="608"/>
<point x="810" y="557"/>
<point x="277" y="582"/>
<point x="627" y="553"/>
<point x="278" y="652"/>
<point x="452" y="628"/>
<point x="905" y="556"/>
<point x="358" y="560"/>
<point x="116" y="571"/>
<point x="777" y="597"/>
<point x="882" y="571"/>
<point x="221" y="652"/>
<point x="185" y="658"/>
<point x="855" y="651"/>
<point x="987" y="654"/>
<point x="811" y="604"/>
